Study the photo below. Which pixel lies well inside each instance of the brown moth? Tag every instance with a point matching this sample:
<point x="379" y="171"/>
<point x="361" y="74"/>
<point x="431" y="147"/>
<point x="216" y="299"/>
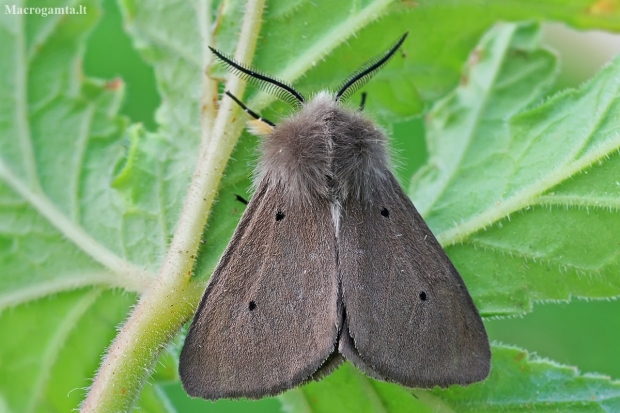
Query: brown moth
<point x="330" y="261"/>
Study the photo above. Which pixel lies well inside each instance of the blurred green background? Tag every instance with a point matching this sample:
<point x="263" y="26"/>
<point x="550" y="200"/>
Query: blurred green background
<point x="579" y="333"/>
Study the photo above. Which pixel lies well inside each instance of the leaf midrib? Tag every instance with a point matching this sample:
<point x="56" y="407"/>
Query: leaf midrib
<point x="475" y="123"/>
<point x="589" y="201"/>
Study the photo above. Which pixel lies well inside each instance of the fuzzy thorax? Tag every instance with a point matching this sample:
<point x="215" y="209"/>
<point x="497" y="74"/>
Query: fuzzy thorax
<point x="325" y="150"/>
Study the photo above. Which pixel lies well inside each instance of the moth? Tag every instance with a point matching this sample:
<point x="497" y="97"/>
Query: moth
<point x="330" y="261"/>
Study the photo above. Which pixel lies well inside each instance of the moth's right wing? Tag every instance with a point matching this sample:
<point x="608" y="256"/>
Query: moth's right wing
<point x="269" y="317"/>
<point x="408" y="315"/>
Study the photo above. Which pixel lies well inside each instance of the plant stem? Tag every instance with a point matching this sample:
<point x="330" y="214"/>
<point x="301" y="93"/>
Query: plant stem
<point x="171" y="299"/>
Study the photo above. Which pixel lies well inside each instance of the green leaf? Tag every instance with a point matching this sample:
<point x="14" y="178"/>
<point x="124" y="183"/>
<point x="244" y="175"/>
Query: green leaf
<point x="542" y="220"/>
<point x="441" y="35"/>
<point x="88" y="202"/>
<point x="518" y="382"/>
<point x="154" y="400"/>
<point x="349" y="390"/>
<point x="62" y="226"/>
<point x="51" y="348"/>
<point x="521" y="382"/>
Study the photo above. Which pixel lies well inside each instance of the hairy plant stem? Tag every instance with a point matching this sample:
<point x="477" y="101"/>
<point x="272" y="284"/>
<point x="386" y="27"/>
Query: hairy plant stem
<point x="171" y="299"/>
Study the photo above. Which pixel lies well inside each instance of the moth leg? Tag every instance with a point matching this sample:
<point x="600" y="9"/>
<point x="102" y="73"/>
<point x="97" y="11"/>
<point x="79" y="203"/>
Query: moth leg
<point x="363" y="102"/>
<point x="248" y="110"/>
<point x="241" y="199"/>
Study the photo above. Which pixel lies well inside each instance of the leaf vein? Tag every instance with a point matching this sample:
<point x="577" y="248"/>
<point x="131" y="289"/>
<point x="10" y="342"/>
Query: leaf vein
<point x="21" y="108"/>
<point x="71" y="230"/>
<point x="599" y="119"/>
<point x="371" y="392"/>
<point x="13" y="298"/>
<point x="80" y="154"/>
<point x="53" y="21"/>
<point x="55" y="345"/>
<point x="161" y="217"/>
<point x="512" y="252"/>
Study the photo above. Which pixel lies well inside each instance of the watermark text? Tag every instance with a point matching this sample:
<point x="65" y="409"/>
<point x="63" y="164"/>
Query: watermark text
<point x="44" y="11"/>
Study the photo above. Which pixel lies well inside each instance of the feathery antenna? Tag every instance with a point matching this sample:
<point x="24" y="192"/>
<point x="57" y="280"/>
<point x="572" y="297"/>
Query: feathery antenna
<point x="270" y="85"/>
<point x="367" y="71"/>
